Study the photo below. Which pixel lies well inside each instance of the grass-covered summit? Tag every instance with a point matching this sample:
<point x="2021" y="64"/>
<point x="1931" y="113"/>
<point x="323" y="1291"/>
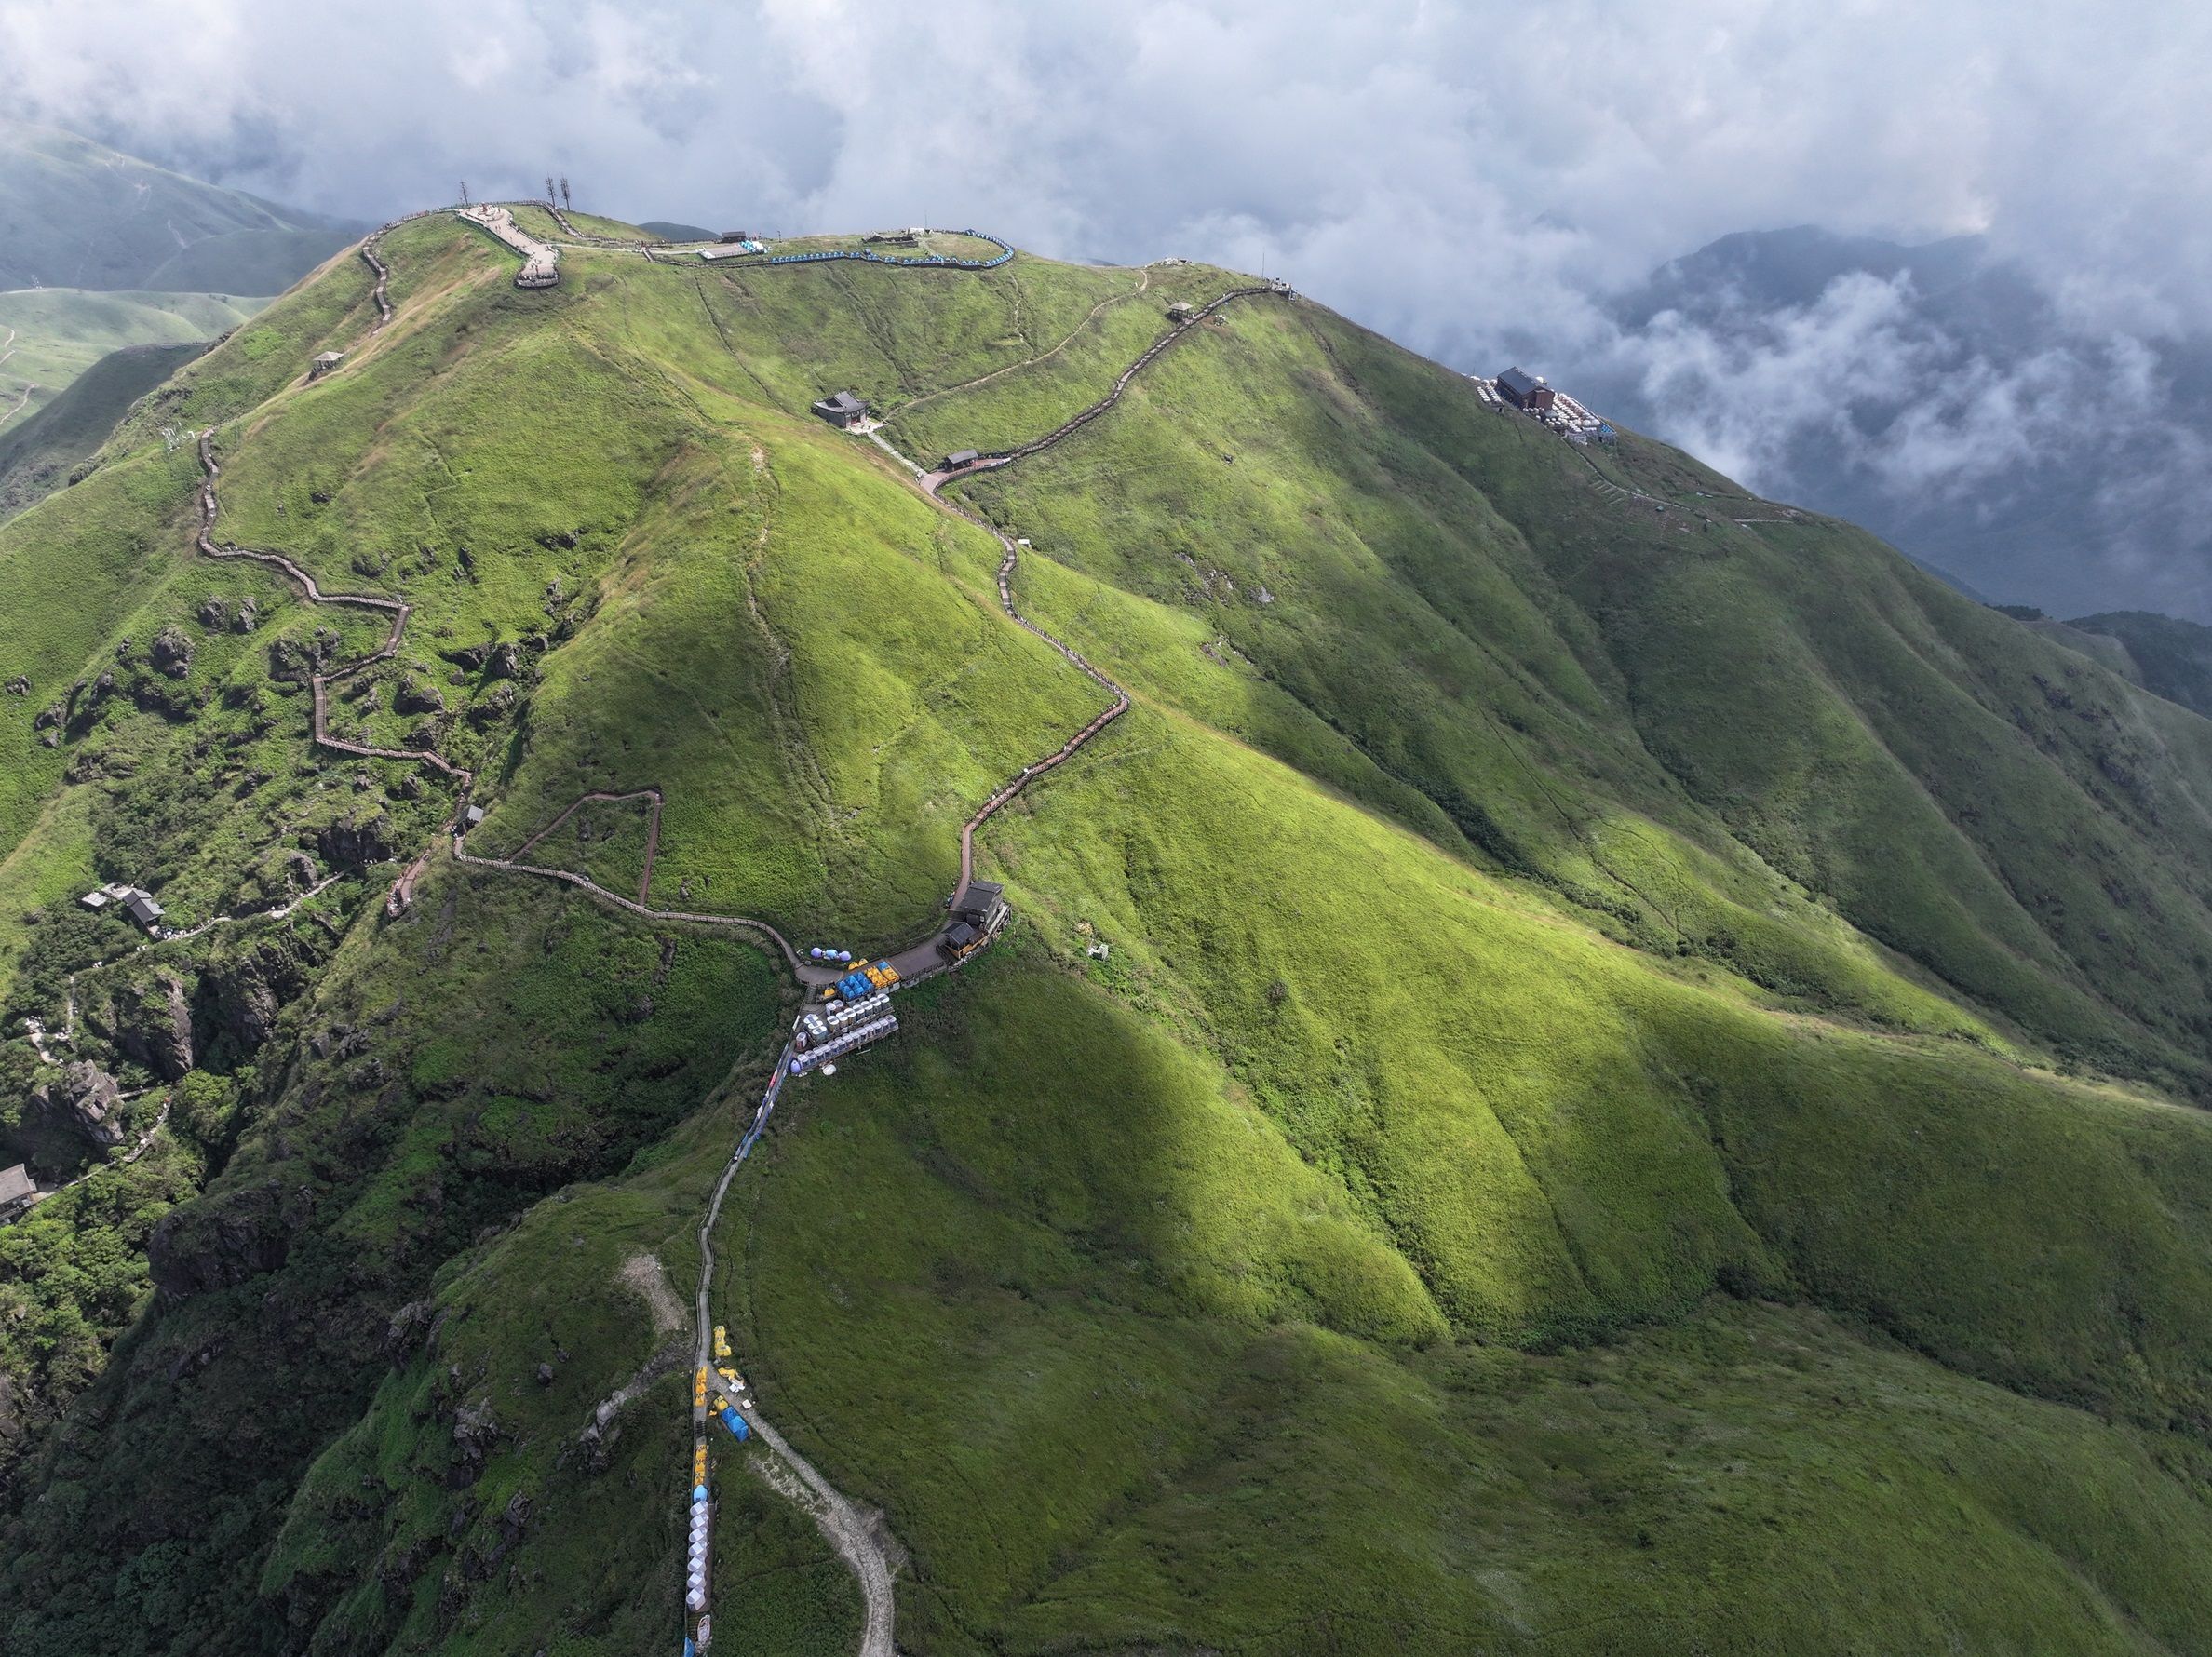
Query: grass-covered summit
<point x="1642" y="1090"/>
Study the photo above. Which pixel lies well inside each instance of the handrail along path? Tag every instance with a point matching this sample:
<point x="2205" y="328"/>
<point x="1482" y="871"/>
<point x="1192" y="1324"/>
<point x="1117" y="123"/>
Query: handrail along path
<point x="840" y="1523"/>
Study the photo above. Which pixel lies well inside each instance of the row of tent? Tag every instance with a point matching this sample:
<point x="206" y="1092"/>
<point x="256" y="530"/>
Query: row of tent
<point x="866" y="257"/>
<point x="874" y="1029"/>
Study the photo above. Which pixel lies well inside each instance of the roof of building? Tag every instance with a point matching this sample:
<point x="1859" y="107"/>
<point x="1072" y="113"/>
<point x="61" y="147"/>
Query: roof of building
<point x="963" y="457"/>
<point x="981" y="898"/>
<point x="844" y="402"/>
<point x="16" y="1184"/>
<point x="476" y="813"/>
<point x="1519" y="381"/>
<point x="960" y="934"/>
<point x="330" y="357"/>
<point x="94" y="901"/>
<point x="144" y="909"/>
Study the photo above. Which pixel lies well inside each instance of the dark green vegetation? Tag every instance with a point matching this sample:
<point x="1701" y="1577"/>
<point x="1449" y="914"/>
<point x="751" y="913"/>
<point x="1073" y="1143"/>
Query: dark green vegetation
<point x="41" y="453"/>
<point x="2170" y="656"/>
<point x="1644" y="1094"/>
<point x="49" y="336"/>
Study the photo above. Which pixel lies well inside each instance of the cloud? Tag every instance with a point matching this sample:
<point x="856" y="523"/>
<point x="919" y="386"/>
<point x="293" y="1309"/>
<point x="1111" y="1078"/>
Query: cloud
<point x="1474" y="179"/>
<point x="1380" y="150"/>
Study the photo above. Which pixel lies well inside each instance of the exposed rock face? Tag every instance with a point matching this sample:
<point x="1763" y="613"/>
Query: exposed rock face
<point x="18" y="686"/>
<point x="154" y="1025"/>
<point x="354" y="840"/>
<point x="83" y="1100"/>
<point x="415" y="696"/>
<point x="507" y="661"/>
<point x="227" y="1238"/>
<point x="499" y="700"/>
<point x="245" y="617"/>
<point x="248" y="992"/>
<point x="213" y="614"/>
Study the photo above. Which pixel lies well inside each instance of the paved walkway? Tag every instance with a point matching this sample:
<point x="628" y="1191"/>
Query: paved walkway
<point x="841" y="1521"/>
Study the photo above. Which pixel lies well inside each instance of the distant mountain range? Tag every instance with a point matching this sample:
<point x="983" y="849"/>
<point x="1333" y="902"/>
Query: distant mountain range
<point x="107" y="262"/>
<point x="1938" y="395"/>
<point x="76" y="214"/>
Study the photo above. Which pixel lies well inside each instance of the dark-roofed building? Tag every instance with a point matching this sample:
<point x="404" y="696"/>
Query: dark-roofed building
<point x="15" y="1187"/>
<point x="143" y="910"/>
<point x="982" y="905"/>
<point x="842" y="410"/>
<point x="961" y="457"/>
<point x="1525" y="390"/>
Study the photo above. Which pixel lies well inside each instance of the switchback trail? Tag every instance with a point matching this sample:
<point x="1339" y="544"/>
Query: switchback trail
<point x="855" y="1540"/>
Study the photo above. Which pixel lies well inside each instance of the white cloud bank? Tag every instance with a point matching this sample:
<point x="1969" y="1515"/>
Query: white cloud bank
<point x="1469" y="178"/>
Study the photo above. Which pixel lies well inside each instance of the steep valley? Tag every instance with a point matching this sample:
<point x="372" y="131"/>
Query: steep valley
<point x="1590" y="1065"/>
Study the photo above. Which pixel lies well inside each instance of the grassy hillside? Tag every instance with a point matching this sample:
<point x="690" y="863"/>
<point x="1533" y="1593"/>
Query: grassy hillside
<point x="39" y="453"/>
<point x="1640" y="1093"/>
<point x="49" y="336"/>
<point x="2172" y="657"/>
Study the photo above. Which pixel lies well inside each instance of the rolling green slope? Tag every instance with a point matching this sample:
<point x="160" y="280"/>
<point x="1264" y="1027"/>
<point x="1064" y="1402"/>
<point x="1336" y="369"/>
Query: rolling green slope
<point x="1638" y="1092"/>
<point x="38" y="454"/>
<point x="99" y="250"/>
<point x="49" y="336"/>
<point x="2172" y="657"/>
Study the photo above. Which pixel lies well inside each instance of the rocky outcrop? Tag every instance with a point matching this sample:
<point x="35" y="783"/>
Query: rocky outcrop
<point x="246" y="992"/>
<point x="415" y="696"/>
<point x="227" y="1238"/>
<point x="153" y="1023"/>
<point x="357" y="839"/>
<point x="83" y="1099"/>
<point x="495" y="703"/>
<point x="507" y="661"/>
<point x="214" y="614"/>
<point x="172" y="651"/>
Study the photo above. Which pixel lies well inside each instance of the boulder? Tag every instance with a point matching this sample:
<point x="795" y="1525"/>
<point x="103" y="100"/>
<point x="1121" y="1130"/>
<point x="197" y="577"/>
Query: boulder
<point x="83" y="1099"/>
<point x="152" y="1024"/>
<point x="172" y="651"/>
<point x="355" y="839"/>
<point x="416" y="695"/>
<point x="507" y="661"/>
<point x="214" y="616"/>
<point x="245" y="617"/>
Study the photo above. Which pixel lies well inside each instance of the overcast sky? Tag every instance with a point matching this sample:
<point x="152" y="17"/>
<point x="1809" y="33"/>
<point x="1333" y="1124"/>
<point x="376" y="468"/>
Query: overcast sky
<point x="1468" y="177"/>
<point x="1417" y="164"/>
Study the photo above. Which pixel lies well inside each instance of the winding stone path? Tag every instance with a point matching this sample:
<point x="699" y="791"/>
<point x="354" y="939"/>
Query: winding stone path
<point x="853" y="1538"/>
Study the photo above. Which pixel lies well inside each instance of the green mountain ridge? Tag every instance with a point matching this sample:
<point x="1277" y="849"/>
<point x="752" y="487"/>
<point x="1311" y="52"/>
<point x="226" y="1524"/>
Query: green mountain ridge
<point x="1641" y="1093"/>
<point x="38" y="454"/>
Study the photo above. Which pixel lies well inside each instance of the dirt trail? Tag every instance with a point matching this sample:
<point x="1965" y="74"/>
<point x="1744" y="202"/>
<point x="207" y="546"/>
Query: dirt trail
<point x="858" y="1537"/>
<point x="1143" y="285"/>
